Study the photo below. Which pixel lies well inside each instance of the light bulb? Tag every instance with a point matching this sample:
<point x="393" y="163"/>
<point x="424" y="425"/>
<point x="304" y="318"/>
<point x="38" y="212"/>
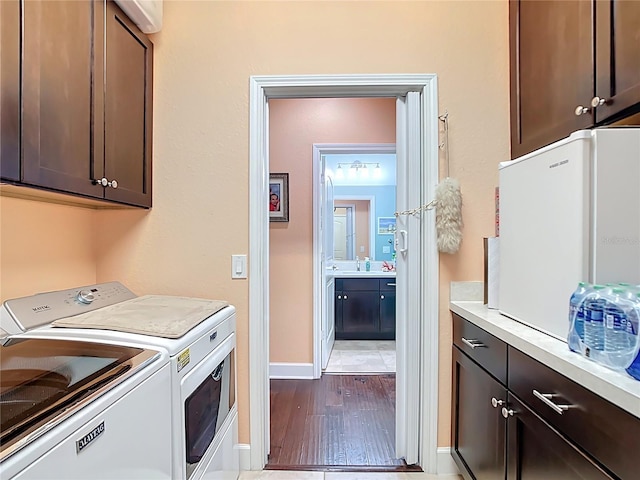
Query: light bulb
<point x="364" y="171"/>
<point x="377" y="172"/>
<point x="352" y="171"/>
<point x="339" y="172"/>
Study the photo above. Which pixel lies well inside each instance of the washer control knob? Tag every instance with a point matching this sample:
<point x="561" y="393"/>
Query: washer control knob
<point x="85" y="296"/>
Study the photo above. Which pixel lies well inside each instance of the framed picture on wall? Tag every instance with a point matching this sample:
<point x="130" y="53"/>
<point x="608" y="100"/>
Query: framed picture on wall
<point x="279" y="197"/>
<point x="386" y="225"/>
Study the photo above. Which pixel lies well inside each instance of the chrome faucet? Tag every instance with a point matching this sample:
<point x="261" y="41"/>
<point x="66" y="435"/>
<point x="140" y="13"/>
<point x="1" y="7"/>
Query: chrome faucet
<point x="357" y="264"/>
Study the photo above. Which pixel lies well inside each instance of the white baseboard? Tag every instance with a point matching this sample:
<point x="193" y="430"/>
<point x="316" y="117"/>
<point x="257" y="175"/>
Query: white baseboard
<point x="446" y="464"/>
<point x="291" y="370"/>
<point x="244" y="450"/>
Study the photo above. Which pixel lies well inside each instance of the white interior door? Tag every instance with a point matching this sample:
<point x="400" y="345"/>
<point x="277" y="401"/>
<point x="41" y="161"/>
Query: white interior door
<point x="408" y="276"/>
<point x="327" y="256"/>
<point x="340" y="237"/>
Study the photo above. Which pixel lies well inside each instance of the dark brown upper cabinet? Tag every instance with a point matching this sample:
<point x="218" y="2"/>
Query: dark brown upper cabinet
<point x="76" y="100"/>
<point x="617" y="51"/>
<point x="573" y="65"/>
<point x="128" y="112"/>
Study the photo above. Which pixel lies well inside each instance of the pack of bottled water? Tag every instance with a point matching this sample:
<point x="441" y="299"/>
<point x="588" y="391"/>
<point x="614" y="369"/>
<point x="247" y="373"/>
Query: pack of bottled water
<point x="603" y="323"/>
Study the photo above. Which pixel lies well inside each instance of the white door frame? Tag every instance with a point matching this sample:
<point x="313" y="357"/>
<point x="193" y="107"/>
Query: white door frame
<point x="319" y="150"/>
<point x="263" y="88"/>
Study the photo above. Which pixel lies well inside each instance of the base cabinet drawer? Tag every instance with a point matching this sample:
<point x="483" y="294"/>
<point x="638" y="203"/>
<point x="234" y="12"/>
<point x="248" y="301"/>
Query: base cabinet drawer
<point x="537" y="451"/>
<point x="595" y="425"/>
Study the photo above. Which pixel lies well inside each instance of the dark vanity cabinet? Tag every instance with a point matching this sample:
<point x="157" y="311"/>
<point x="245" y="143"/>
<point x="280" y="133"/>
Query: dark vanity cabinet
<point x="515" y="418"/>
<point x="76" y="105"/>
<point x="365" y="308"/>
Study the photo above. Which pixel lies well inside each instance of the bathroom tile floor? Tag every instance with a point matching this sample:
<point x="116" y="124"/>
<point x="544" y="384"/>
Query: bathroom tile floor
<point x="288" y="475"/>
<point x="362" y="356"/>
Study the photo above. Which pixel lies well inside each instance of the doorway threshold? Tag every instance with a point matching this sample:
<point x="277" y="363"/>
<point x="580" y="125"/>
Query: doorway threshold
<point x="347" y="468"/>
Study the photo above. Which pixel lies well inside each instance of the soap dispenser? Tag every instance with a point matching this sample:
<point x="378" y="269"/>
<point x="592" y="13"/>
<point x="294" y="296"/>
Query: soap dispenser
<point x="367" y="264"/>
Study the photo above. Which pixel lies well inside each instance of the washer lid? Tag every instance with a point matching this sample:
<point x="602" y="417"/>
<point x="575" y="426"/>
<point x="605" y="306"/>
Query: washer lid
<point x="43" y="381"/>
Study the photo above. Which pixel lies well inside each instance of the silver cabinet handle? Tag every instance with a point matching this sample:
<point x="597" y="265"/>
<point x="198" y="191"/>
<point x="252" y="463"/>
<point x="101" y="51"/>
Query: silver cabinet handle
<point x="507" y="412"/>
<point x="495" y="402"/>
<point x="381" y="297"/>
<point x="339" y="297"/>
<point x="104" y="181"/>
<point x="345" y="297"/>
<point x="546" y="399"/>
<point x="391" y="284"/>
<point x="597" y="102"/>
<point x="580" y="110"/>
<point x="473" y="343"/>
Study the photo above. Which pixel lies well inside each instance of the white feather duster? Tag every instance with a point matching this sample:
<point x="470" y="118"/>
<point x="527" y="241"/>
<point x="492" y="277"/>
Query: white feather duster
<point x="448" y="215"/>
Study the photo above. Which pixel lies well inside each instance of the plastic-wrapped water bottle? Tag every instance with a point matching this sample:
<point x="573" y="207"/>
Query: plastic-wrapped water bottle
<point x="593" y="321"/>
<point x="576" y="316"/>
<point x="632" y="330"/>
<point x="617" y="344"/>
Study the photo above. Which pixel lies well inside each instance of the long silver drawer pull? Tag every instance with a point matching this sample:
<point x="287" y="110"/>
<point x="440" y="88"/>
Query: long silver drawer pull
<point x="391" y="284"/>
<point x="546" y="399"/>
<point x="473" y="343"/>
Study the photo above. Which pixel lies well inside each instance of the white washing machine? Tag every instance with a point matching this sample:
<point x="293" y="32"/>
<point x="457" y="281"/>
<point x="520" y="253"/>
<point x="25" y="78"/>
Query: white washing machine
<point x="199" y="337"/>
<point x="78" y="409"/>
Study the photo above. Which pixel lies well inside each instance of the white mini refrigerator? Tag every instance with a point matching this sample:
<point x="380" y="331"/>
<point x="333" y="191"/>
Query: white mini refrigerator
<point x="569" y="212"/>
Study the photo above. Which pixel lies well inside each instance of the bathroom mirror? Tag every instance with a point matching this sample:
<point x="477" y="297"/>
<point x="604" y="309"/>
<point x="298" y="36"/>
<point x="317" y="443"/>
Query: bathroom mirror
<point x="360" y="201"/>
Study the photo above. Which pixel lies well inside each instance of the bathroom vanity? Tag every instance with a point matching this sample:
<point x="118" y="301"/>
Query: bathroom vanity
<point x="365" y="306"/>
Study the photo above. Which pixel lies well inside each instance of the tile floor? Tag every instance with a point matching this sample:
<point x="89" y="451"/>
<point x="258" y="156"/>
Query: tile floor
<point x="362" y="356"/>
<point x="283" y="475"/>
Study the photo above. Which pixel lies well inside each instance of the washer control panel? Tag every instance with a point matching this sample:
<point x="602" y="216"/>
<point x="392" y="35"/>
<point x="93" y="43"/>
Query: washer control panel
<point x="22" y="314"/>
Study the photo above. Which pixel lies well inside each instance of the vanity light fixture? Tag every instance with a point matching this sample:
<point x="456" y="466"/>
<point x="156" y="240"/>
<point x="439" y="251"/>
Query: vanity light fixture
<point x="359" y="169"/>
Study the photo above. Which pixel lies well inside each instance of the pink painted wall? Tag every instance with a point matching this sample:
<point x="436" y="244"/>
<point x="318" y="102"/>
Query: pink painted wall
<point x="295" y="125"/>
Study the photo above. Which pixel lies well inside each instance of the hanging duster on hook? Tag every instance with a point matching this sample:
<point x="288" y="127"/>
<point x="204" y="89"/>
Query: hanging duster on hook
<point x="448" y="200"/>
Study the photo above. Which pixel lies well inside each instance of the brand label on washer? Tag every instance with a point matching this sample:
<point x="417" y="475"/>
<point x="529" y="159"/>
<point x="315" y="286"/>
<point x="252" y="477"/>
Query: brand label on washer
<point x="183" y="359"/>
<point x="89" y="437"/>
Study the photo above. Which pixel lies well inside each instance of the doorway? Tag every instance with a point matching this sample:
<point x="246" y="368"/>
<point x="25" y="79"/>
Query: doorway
<point x="417" y="387"/>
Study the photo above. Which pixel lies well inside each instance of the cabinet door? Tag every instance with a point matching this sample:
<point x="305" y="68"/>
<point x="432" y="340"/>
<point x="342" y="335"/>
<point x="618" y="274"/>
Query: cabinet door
<point x="617" y="56"/>
<point x="10" y="90"/>
<point x="538" y="451"/>
<point x="388" y="313"/>
<point x="60" y="94"/>
<point x="551" y="65"/>
<point x="128" y="110"/>
<point x="478" y="428"/>
<point x="360" y="315"/>
<point x="338" y="312"/>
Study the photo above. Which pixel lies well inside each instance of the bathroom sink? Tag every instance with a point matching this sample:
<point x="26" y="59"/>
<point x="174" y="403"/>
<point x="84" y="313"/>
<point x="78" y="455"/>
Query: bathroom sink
<point x="356" y="273"/>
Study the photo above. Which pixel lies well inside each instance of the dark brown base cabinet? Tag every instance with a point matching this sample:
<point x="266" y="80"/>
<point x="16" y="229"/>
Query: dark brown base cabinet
<point x="76" y="104"/>
<point x="503" y="429"/>
<point x="365" y="309"/>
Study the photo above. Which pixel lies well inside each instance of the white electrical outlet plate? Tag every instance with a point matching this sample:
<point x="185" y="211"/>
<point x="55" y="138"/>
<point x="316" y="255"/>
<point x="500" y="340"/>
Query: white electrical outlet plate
<point x="386" y="249"/>
<point x="238" y="266"/>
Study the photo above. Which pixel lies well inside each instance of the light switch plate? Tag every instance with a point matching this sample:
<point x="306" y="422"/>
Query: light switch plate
<point x="238" y="266"/>
<point x="386" y="249"/>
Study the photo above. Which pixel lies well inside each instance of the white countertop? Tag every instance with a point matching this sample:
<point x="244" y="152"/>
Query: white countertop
<point x="620" y="389"/>
<point x="360" y="274"/>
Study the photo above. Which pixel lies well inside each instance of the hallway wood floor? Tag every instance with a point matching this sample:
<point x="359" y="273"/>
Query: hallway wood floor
<point x="342" y="421"/>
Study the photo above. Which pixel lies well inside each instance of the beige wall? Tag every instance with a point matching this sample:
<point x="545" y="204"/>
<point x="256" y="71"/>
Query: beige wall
<point x="203" y="59"/>
<point x="44" y="247"/>
<point x="294" y="126"/>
